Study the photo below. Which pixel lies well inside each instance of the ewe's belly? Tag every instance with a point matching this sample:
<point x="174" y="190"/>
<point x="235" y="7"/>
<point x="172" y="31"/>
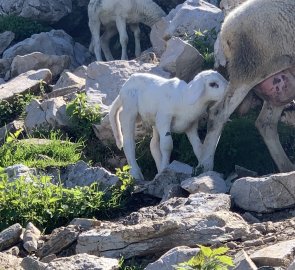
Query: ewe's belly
<point x="278" y="89"/>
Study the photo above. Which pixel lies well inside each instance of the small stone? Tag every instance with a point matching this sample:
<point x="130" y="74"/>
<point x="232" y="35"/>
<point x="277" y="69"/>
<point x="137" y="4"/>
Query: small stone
<point x="10" y="236"/>
<point x="250" y="218"/>
<point x="31" y="237"/>
<point x="29" y="263"/>
<point x="48" y="258"/>
<point x="85" y="224"/>
<point x="278" y="255"/>
<point x="243" y="262"/>
<point x="59" y="239"/>
<point x="13" y="251"/>
<point x="253" y="243"/>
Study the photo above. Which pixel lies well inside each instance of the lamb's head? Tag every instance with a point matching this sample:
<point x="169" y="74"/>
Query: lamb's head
<point x="208" y="85"/>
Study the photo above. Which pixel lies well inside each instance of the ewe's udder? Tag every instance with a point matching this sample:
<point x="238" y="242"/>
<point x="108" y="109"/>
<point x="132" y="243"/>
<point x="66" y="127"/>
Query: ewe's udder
<point x="278" y="89"/>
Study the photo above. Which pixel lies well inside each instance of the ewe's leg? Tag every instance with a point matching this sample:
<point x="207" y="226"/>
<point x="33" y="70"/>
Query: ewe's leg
<point x="218" y="115"/>
<point x="267" y="123"/>
<point x="121" y="26"/>
<point x="155" y="148"/>
<point x="128" y="119"/>
<point x="136" y="31"/>
<point x="94" y="25"/>
<point x="109" y="32"/>
<point x="163" y="124"/>
<point x="194" y="139"/>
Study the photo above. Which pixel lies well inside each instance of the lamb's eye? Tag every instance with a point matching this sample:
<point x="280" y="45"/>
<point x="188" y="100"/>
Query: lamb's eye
<point x="214" y="85"/>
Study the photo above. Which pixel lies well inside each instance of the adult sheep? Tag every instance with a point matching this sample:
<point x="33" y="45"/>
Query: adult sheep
<point x="258" y="43"/>
<point x="115" y="15"/>
<point x="166" y="105"/>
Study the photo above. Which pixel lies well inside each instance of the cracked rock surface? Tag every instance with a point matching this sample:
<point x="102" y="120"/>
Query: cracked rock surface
<point x="265" y="194"/>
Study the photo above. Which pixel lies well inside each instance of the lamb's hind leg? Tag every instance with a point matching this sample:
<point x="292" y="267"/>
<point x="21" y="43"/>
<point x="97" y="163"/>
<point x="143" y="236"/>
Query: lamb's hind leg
<point x="155" y="148"/>
<point x="121" y="26"/>
<point x="128" y="120"/>
<point x="267" y="123"/>
<point x="136" y="31"/>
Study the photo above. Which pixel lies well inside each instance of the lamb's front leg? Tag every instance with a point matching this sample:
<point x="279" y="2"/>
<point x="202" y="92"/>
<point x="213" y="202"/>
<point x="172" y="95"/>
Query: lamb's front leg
<point x="155" y="148"/>
<point x="163" y="124"/>
<point x="121" y="26"/>
<point x="193" y="136"/>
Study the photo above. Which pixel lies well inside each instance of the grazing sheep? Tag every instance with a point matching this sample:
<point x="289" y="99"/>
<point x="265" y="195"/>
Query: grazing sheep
<point x="258" y="42"/>
<point x="114" y="15"/>
<point x="167" y="105"/>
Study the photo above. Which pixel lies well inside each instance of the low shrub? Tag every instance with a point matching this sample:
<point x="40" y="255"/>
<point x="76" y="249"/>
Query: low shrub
<point x="21" y="27"/>
<point x="208" y="259"/>
<point x="82" y="115"/>
<point x="48" y="205"/>
<point x="9" y="111"/>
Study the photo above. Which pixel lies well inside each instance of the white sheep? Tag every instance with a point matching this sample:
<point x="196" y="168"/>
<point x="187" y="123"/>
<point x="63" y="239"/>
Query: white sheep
<point x="258" y="42"/>
<point x="166" y="105"/>
<point x="115" y="15"/>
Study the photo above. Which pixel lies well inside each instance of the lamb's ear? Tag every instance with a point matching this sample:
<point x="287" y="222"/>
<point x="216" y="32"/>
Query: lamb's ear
<point x="194" y="91"/>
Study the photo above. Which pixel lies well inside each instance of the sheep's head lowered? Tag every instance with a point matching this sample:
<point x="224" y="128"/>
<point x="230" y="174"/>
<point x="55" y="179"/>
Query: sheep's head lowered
<point x="208" y="85"/>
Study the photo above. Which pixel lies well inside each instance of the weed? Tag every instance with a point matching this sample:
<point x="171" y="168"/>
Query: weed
<point x="21" y="27"/>
<point x="48" y="205"/>
<point x="10" y="110"/>
<point x="208" y="259"/>
<point x="82" y="115"/>
<point x="204" y="43"/>
<point x="39" y="153"/>
<point x="129" y="265"/>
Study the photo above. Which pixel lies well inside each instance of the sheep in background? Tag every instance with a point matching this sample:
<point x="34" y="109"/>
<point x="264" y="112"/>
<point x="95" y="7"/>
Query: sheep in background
<point x="167" y="105"/>
<point x="258" y="42"/>
<point x="115" y="15"/>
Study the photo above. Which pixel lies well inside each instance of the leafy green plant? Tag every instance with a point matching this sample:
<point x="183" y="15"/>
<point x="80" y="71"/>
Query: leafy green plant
<point x="39" y="153"/>
<point x="21" y="27"/>
<point x="83" y="115"/>
<point x="203" y="41"/>
<point x="10" y="110"/>
<point x="49" y="205"/>
<point x="208" y="259"/>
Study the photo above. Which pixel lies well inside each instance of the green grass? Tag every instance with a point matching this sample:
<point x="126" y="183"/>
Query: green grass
<point x="48" y="205"/>
<point x="52" y="152"/>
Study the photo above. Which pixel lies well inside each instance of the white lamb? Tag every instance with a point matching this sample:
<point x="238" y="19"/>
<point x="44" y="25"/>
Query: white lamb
<point x="114" y="15"/>
<point x="167" y="105"/>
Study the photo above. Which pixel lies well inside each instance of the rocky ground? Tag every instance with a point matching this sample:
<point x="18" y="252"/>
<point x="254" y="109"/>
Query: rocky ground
<point x="167" y="216"/>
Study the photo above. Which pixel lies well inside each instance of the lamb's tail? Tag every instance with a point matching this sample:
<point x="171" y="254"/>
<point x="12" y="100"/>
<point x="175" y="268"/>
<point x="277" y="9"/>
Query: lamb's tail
<point x="115" y="121"/>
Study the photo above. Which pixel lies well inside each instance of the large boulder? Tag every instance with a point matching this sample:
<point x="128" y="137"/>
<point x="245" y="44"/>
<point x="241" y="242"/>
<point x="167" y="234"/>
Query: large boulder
<point x="26" y="82"/>
<point x="55" y="42"/>
<point x="83" y="262"/>
<point x="43" y="10"/>
<point x="50" y="113"/>
<point x="265" y="194"/>
<point x="37" y="60"/>
<point x="105" y="79"/>
<point x="10" y="236"/>
<point x="181" y="59"/>
<point x="201" y="218"/>
<point x="5" y="39"/>
<point x="184" y="20"/>
<point x="81" y="174"/>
